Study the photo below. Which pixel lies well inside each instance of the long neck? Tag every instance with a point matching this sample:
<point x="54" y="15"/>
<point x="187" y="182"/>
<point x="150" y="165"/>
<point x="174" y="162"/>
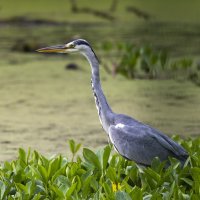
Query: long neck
<point x="104" y="111"/>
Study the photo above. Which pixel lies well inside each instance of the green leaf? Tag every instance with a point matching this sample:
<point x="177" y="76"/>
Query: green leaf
<point x="132" y="172"/>
<point x="54" y="166"/>
<point x="188" y="181"/>
<point x="22" y="157"/>
<point x="58" y="173"/>
<point x="72" y="146"/>
<point x="63" y="180"/>
<point x="106" y="155"/>
<point x="57" y="191"/>
<point x="45" y="162"/>
<point x="196" y="176"/>
<point x="43" y="173"/>
<point x="196" y="173"/>
<point x="92" y="158"/>
<point x="78" y="146"/>
<point x="156" y="196"/>
<point x="22" y="188"/>
<point x="71" y="190"/>
<point x="31" y="187"/>
<point x="158" y="166"/>
<point x="111" y="174"/>
<point x="86" y="190"/>
<point x="79" y="184"/>
<point x="94" y="184"/>
<point x="152" y="174"/>
<point x="107" y="189"/>
<point x="121" y="195"/>
<point x="2" y="189"/>
<point x="37" y="197"/>
<point x="136" y="193"/>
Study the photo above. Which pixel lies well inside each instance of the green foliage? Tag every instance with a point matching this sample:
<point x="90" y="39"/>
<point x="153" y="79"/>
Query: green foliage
<point x="99" y="175"/>
<point x="142" y="61"/>
<point x="74" y="148"/>
<point x="145" y="62"/>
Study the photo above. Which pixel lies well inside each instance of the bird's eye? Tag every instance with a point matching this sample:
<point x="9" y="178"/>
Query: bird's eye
<point x="71" y="46"/>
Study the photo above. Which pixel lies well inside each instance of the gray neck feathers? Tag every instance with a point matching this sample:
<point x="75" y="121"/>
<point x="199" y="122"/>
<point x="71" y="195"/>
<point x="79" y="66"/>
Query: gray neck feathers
<point x="104" y="111"/>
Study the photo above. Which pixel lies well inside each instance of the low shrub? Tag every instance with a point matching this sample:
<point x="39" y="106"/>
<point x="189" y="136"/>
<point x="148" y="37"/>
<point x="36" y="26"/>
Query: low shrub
<point x="99" y="175"/>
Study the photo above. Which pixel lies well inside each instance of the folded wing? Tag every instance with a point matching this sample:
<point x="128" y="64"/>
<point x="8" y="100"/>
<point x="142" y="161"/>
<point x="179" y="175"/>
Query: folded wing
<point x="142" y="143"/>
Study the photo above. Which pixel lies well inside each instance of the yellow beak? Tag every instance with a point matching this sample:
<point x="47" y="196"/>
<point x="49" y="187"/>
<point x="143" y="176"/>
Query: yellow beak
<point x="53" y="49"/>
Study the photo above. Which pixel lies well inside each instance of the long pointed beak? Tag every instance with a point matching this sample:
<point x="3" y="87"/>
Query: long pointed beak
<point x="53" y="49"/>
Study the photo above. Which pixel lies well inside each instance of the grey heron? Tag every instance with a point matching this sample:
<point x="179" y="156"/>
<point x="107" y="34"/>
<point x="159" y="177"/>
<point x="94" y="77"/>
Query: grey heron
<point x="132" y="139"/>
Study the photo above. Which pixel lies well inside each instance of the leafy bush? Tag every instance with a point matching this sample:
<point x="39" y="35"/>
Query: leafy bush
<point x="142" y="62"/>
<point x="100" y="175"/>
<point x="145" y="62"/>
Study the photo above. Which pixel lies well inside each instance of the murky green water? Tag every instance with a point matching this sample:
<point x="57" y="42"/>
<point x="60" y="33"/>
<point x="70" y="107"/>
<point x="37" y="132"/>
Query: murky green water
<point x="41" y="103"/>
<point x="178" y="38"/>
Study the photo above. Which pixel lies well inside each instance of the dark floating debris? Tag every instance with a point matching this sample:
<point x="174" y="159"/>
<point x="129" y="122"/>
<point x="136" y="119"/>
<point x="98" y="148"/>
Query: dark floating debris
<point x="72" y="66"/>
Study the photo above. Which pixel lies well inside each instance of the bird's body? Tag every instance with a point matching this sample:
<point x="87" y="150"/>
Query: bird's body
<point x="146" y="141"/>
<point x="132" y="139"/>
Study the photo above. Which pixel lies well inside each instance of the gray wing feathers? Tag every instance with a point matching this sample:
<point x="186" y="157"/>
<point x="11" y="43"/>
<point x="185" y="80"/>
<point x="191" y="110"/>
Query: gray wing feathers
<point x="142" y="144"/>
<point x="170" y="144"/>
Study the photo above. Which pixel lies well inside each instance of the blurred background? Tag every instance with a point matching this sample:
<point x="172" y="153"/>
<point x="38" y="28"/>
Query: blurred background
<point x="150" y="69"/>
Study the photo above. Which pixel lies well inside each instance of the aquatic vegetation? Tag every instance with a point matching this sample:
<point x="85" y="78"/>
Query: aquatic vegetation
<point x="148" y="63"/>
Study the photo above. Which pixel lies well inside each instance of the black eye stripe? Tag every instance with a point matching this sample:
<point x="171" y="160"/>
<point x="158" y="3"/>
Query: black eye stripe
<point x="79" y="42"/>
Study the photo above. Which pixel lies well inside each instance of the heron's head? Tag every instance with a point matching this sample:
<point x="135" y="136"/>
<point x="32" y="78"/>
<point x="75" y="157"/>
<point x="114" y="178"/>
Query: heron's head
<point x="74" y="46"/>
<point x="78" y="45"/>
